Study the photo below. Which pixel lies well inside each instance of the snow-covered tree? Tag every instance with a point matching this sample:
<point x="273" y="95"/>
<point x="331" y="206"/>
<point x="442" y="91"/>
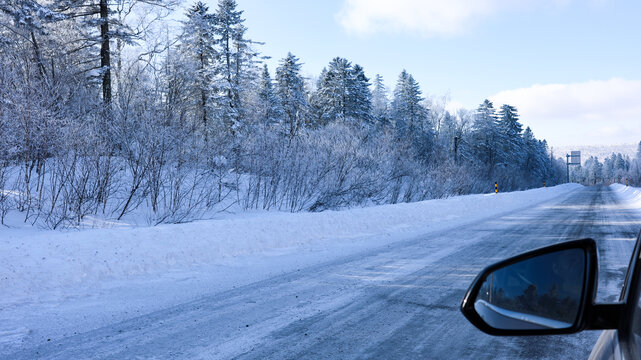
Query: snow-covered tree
<point x="332" y="98"/>
<point x="290" y="89"/>
<point x="197" y="58"/>
<point x="486" y="136"/>
<point x="408" y="115"/>
<point x="380" y="101"/>
<point x="177" y="97"/>
<point x="360" y="96"/>
<point x="91" y="26"/>
<point x="635" y="168"/>
<point x="269" y="108"/>
<point x="593" y="171"/>
<point x="235" y="62"/>
<point x="343" y="93"/>
<point x="535" y="161"/>
<point x="510" y="138"/>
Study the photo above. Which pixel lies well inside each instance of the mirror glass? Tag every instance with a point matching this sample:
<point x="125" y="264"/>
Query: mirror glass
<point x="542" y="292"/>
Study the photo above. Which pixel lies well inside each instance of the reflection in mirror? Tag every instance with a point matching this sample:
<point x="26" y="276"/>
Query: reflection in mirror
<point x="542" y="292"/>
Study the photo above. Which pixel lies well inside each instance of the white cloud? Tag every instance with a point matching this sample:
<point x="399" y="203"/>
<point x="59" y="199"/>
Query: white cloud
<point x="587" y="113"/>
<point x="426" y="17"/>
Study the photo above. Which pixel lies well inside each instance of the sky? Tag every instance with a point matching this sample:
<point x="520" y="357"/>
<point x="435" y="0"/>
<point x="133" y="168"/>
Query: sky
<point x="571" y="67"/>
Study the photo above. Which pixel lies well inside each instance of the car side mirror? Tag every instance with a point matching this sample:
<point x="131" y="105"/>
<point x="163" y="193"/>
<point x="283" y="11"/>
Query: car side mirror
<point x="545" y="291"/>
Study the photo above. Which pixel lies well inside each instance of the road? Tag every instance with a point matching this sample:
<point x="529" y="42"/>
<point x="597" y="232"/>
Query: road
<point x="395" y="302"/>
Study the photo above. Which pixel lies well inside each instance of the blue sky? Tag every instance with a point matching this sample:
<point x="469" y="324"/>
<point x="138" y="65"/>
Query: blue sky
<point x="571" y="67"/>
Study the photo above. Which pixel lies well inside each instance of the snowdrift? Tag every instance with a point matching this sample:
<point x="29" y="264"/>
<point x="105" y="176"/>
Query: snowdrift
<point x="33" y="261"/>
<point x="630" y="196"/>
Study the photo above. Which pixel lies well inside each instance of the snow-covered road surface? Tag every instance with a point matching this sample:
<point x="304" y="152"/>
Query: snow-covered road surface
<point x="396" y="301"/>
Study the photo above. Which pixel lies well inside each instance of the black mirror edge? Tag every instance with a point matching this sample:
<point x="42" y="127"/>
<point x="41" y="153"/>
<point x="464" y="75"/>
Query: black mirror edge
<point x="610" y="316"/>
<point x="589" y="314"/>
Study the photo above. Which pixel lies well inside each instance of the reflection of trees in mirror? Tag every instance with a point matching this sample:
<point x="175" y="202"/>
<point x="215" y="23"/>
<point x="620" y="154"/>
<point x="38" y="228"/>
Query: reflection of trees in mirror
<point x="548" y="305"/>
<point x="517" y="286"/>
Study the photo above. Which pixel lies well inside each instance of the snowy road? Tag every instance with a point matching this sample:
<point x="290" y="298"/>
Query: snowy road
<point x="397" y="301"/>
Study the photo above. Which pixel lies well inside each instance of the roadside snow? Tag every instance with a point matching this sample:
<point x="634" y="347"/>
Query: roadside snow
<point x="32" y="261"/>
<point x="57" y="283"/>
<point x="630" y="196"/>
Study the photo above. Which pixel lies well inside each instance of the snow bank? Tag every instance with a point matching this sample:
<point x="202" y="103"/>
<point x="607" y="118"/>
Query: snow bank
<point x="32" y="261"/>
<point x="630" y="196"/>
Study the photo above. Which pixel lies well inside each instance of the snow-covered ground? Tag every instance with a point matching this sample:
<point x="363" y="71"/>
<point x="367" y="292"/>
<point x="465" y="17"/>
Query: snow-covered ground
<point x="56" y="283"/>
<point x="630" y="196"/>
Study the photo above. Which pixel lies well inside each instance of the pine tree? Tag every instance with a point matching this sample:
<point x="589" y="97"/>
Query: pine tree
<point x="269" y="107"/>
<point x="333" y="92"/>
<point x="316" y="105"/>
<point x="380" y="102"/>
<point x="29" y="19"/>
<point x="535" y="160"/>
<point x="235" y="62"/>
<point x="343" y="93"/>
<point x="198" y="55"/>
<point x="291" y="93"/>
<point x="95" y="25"/>
<point x="511" y="141"/>
<point x="485" y="136"/>
<point x="407" y="112"/>
<point x="360" y="97"/>
<point x="410" y="117"/>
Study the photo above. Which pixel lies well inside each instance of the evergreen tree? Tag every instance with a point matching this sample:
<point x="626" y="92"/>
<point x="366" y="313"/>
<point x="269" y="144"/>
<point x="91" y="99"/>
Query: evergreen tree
<point x="290" y="89"/>
<point x="197" y="55"/>
<point x="316" y="106"/>
<point x="407" y="112"/>
<point x="235" y="62"/>
<point x="29" y="19"/>
<point x="380" y="102"/>
<point x="343" y="93"/>
<point x="333" y="93"/>
<point x="360" y="97"/>
<point x="535" y="162"/>
<point x="269" y="107"/>
<point x="95" y="24"/>
<point x="530" y="162"/>
<point x="411" y="117"/>
<point x="511" y="141"/>
<point x="486" y="136"/>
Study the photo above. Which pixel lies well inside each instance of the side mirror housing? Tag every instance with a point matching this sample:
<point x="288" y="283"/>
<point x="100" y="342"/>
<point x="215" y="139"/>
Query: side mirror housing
<point x="542" y="292"/>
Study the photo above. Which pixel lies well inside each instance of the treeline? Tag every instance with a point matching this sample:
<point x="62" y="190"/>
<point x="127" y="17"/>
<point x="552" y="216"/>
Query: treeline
<point x="615" y="168"/>
<point x="104" y="110"/>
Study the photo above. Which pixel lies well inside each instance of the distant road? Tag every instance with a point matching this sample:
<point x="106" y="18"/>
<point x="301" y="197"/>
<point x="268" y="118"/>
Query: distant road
<point x="395" y="302"/>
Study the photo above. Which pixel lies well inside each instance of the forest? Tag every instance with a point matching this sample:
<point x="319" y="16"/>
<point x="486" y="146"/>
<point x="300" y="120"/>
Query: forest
<point x="106" y="108"/>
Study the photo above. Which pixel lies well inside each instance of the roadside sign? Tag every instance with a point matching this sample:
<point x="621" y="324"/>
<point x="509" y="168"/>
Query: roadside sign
<point x="575" y="158"/>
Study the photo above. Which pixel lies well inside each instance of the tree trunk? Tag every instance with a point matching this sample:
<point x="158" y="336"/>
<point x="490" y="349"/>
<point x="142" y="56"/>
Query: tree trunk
<point x="105" y="55"/>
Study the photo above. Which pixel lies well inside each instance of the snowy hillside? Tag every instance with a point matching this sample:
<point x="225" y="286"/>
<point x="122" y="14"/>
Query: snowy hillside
<point x="599" y="151"/>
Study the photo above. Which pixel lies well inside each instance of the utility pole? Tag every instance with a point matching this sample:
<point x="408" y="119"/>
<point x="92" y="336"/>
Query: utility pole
<point x="567" y="165"/>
